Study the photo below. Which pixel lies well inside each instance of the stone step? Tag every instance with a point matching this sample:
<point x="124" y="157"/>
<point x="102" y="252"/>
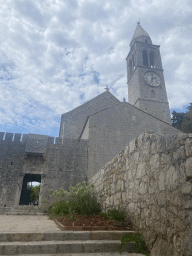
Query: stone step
<point x="22" y="210"/>
<point x="63" y="236"/>
<point x="25" y="213"/>
<point x="25" y="210"/>
<point x="55" y="247"/>
<point x="85" y="254"/>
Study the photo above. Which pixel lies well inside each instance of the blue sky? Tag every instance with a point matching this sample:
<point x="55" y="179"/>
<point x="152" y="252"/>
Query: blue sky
<point x="56" y="55"/>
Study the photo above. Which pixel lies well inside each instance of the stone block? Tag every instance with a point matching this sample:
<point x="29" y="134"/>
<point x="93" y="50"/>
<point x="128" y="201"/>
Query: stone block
<point x="8" y="136"/>
<point x="188" y="205"/>
<point x="165" y="159"/>
<point x="163" y="212"/>
<point x="132" y="146"/>
<point x="161" y="144"/>
<point x="1" y="135"/>
<point x="161" y="199"/>
<point x="179" y="153"/>
<point x="126" y="153"/>
<point x="131" y="185"/>
<point x="186" y="189"/>
<point x="154" y="162"/>
<point x="188" y="147"/>
<point x="141" y="170"/>
<point x="171" y="178"/>
<point x="161" y="181"/>
<point x="135" y="157"/>
<point x="114" y="177"/>
<point x="152" y="185"/>
<point x="51" y="140"/>
<point x="188" y="167"/>
<point x="117" y="199"/>
<point x="131" y="207"/>
<point x="163" y="229"/>
<point x="176" y="200"/>
<point x="130" y="174"/>
<point x="171" y="142"/>
<point x="142" y="188"/>
<point x="17" y="137"/>
<point x="124" y="198"/>
<point x="118" y="185"/>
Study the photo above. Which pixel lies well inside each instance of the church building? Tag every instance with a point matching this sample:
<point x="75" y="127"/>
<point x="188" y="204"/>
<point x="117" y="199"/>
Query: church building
<point x="108" y="124"/>
<point x="91" y="134"/>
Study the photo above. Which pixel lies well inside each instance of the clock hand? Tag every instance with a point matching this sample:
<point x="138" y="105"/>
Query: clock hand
<point x="152" y="78"/>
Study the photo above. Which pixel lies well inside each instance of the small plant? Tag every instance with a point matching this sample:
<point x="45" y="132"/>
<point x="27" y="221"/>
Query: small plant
<point x="117" y="215"/>
<point x="72" y="214"/>
<point x="140" y="246"/>
<point x="80" y="199"/>
<point x="105" y="215"/>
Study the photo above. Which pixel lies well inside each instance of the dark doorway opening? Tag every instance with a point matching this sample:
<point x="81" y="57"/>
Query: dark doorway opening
<point x="25" y="198"/>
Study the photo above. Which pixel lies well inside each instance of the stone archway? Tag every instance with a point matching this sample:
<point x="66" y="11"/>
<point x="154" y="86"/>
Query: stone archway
<point x="25" y="193"/>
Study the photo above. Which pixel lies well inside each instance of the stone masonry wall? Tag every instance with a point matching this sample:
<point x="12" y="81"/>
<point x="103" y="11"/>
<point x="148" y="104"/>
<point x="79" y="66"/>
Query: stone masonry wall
<point x="73" y="121"/>
<point x="114" y="128"/>
<point x="151" y="179"/>
<point x="60" y="164"/>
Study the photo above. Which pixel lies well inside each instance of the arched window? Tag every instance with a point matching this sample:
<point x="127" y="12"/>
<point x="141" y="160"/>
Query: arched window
<point x="130" y="67"/>
<point x="146" y="41"/>
<point x="151" y="57"/>
<point x="133" y="62"/>
<point x="153" y="94"/>
<point x="145" y="59"/>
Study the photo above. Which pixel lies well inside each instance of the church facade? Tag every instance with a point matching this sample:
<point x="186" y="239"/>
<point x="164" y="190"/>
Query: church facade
<point x="91" y="134"/>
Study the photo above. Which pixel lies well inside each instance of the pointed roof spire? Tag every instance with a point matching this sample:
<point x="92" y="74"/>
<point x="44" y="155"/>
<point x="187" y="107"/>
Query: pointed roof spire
<point x="139" y="32"/>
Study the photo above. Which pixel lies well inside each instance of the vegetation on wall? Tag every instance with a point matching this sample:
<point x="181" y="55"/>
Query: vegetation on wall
<point x="140" y="246"/>
<point x="34" y="192"/>
<point x="183" y="120"/>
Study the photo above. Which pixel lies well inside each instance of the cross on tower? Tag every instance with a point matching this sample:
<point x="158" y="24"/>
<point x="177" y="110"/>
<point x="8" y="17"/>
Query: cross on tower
<point x="107" y="88"/>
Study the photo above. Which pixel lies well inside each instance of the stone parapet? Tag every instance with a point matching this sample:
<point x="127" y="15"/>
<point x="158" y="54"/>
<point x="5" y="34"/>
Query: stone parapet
<point x="151" y="179"/>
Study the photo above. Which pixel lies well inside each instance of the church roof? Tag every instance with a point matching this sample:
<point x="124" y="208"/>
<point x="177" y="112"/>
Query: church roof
<point x="79" y="115"/>
<point x="139" y="31"/>
<point x="106" y="97"/>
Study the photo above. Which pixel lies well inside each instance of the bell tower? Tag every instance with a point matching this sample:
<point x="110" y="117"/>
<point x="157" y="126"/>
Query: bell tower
<point x="146" y="85"/>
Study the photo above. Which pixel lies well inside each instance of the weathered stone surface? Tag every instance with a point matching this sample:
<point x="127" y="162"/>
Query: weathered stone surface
<point x="162" y="247"/>
<point x="188" y="166"/>
<point x="38" y="155"/>
<point x="186" y="188"/>
<point x="188" y="147"/>
<point x="162" y="181"/>
<point x="155" y="192"/>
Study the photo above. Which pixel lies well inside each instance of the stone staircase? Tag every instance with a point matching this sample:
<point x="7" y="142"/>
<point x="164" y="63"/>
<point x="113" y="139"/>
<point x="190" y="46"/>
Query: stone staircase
<point x="25" y="210"/>
<point x="64" y="243"/>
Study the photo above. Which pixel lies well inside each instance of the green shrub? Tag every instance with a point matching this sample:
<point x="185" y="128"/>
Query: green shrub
<point x="104" y="215"/>
<point x="80" y="199"/>
<point x="59" y="208"/>
<point x="140" y="246"/>
<point x="117" y="215"/>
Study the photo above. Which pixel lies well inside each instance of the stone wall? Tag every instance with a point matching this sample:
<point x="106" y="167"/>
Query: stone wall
<point x="114" y="128"/>
<point x="59" y="163"/>
<point x="73" y="121"/>
<point x="151" y="179"/>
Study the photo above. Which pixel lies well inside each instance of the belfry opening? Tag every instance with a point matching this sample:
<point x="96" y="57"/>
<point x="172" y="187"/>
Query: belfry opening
<point x="28" y="197"/>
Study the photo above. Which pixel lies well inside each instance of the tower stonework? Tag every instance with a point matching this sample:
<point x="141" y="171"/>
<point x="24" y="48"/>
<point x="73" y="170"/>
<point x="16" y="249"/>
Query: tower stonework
<point x="146" y="85"/>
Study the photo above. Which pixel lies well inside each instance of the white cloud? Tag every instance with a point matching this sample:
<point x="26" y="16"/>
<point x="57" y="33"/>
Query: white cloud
<point x="55" y="55"/>
<point x="30" y="11"/>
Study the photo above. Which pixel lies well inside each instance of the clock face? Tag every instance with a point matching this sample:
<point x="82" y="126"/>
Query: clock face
<point x="152" y="78"/>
